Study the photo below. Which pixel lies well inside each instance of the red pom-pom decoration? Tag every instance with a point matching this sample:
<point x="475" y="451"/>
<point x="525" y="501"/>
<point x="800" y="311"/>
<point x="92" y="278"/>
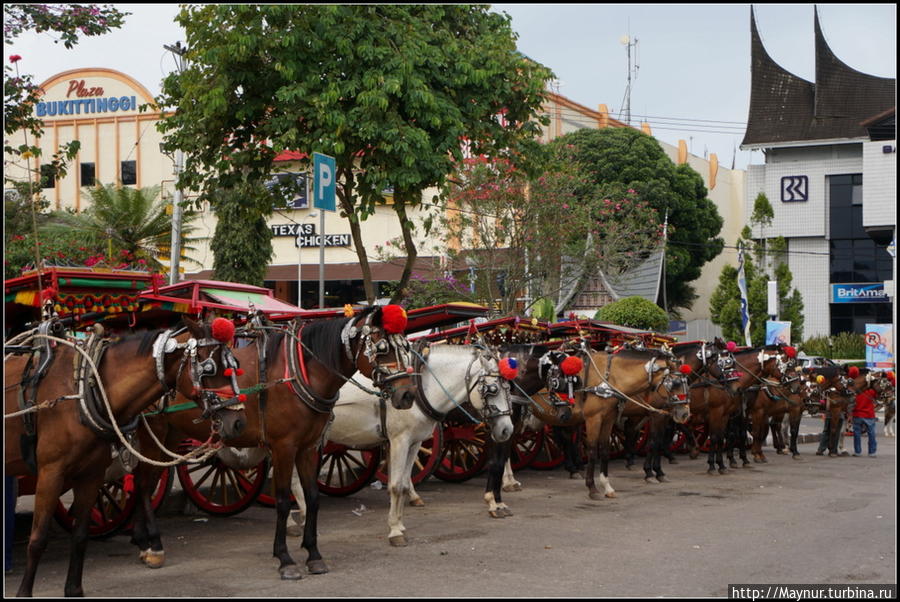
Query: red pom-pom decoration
<point x="228" y="372"/>
<point x="790" y="352"/>
<point x="853" y="372"/>
<point x="571" y="365"/>
<point x="242" y="397"/>
<point x="508" y="369"/>
<point x="240" y="371"/>
<point x="685" y="369"/>
<point x="731" y="346"/>
<point x="393" y="318"/>
<point x="222" y="330"/>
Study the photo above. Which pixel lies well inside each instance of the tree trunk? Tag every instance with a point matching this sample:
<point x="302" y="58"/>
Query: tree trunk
<point x="408" y="242"/>
<point x="346" y="197"/>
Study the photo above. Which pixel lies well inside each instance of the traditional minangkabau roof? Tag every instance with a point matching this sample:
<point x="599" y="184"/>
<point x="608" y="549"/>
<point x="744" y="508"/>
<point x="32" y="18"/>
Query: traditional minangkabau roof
<point x="785" y="108"/>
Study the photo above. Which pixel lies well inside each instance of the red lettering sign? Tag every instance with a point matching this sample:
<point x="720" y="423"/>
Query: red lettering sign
<point x="81" y="91"/>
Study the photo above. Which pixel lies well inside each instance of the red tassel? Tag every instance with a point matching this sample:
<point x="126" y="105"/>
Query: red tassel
<point x="242" y="398"/>
<point x="507" y="370"/>
<point x="393" y="319"/>
<point x="228" y="372"/>
<point x="685" y="369"/>
<point x="571" y="365"/>
<point x="222" y="330"/>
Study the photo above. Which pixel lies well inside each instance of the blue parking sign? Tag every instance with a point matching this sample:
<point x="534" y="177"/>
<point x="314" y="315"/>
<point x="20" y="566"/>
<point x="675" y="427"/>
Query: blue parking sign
<point x="324" y="176"/>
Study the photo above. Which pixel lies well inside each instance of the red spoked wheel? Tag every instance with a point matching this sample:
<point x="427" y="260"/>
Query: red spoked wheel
<point x="344" y="471"/>
<point x="679" y="443"/>
<point x="218" y="489"/>
<point x="526" y="447"/>
<point x="110" y="513"/>
<point x="426" y="460"/>
<point x="703" y="443"/>
<point x="464" y="453"/>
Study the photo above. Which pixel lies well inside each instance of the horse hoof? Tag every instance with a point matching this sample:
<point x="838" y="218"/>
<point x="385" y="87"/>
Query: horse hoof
<point x="316" y="567"/>
<point x="505" y="512"/>
<point x="295" y="530"/>
<point x="781" y="452"/>
<point x="662" y="479"/>
<point x="611" y="495"/>
<point x="498" y="513"/>
<point x="398" y="541"/>
<point x="795" y="456"/>
<point x="723" y="471"/>
<point x="418" y="502"/>
<point x="831" y="455"/>
<point x="651" y="480"/>
<point x="515" y="487"/>
<point x="290" y="572"/>
<point x="153" y="559"/>
<point x="673" y="461"/>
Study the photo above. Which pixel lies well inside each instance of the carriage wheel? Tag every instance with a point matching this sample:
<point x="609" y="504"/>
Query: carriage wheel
<point x="110" y="513"/>
<point x="218" y="489"/>
<point x="550" y="455"/>
<point x="703" y="443"/>
<point x="616" y="443"/>
<point x="344" y="471"/>
<point x="426" y="460"/>
<point x="464" y="453"/>
<point x="679" y="443"/>
<point x="526" y="447"/>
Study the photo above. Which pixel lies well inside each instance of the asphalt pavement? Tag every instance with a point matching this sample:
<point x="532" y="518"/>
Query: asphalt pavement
<point x="813" y="520"/>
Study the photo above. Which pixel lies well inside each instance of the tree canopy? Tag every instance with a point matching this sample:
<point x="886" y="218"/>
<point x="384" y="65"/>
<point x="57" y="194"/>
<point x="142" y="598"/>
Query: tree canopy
<point x="393" y="92"/>
<point x="636" y="160"/>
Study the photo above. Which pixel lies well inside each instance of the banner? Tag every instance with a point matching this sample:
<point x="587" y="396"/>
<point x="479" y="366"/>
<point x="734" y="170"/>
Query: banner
<point x="778" y="333"/>
<point x="880" y="346"/>
<point x="742" y="285"/>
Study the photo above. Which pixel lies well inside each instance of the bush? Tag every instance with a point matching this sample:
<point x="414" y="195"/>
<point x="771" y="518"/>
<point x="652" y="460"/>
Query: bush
<point x="635" y="312"/>
<point x="845" y="345"/>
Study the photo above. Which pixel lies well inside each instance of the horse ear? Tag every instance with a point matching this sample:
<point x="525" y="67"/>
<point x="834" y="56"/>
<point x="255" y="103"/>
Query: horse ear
<point x="195" y="328"/>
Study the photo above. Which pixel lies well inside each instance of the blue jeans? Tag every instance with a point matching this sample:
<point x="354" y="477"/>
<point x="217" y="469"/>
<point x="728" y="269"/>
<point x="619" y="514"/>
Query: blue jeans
<point x="857" y="435"/>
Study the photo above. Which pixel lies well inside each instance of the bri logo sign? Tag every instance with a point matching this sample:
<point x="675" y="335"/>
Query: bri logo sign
<point x="859" y="293"/>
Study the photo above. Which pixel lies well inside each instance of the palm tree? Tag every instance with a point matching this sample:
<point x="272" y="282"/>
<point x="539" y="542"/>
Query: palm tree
<point x="132" y="222"/>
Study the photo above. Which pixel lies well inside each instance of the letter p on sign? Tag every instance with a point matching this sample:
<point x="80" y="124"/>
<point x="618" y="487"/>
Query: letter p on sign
<point x="323" y="182"/>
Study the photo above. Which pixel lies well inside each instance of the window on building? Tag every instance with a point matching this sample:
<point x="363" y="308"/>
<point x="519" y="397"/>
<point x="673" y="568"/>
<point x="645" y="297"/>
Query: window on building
<point x="88" y="174"/>
<point x="129" y="173"/>
<point x="48" y="176"/>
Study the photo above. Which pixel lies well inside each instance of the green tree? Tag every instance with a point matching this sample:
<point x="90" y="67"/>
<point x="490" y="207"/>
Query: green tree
<point x="242" y="242"/>
<point x="130" y="223"/>
<point x="764" y="260"/>
<point x="635" y="312"/>
<point x="636" y="160"/>
<point x="390" y="91"/>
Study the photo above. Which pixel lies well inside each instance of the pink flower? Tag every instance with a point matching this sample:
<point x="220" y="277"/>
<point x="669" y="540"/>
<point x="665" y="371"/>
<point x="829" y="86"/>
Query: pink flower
<point x="15" y="58"/>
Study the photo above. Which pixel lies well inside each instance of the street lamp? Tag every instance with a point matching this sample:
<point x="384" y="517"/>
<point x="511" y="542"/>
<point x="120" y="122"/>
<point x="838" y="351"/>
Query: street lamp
<point x="300" y="262"/>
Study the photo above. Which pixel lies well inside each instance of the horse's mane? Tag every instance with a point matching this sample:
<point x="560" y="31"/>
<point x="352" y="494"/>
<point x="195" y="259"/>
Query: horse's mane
<point x="628" y="353"/>
<point x="321" y="337"/>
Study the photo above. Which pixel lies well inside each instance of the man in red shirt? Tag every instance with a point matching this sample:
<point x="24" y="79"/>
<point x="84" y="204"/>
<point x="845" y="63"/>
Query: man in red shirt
<point x="864" y="413"/>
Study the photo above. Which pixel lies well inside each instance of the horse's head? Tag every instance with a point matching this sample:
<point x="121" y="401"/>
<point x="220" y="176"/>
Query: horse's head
<point x="383" y="352"/>
<point x="675" y="384"/>
<point x="488" y="381"/>
<point x="204" y="369"/>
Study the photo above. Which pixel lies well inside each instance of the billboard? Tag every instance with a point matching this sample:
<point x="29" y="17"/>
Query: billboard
<point x="778" y="333"/>
<point x="862" y="292"/>
<point x="880" y="346"/>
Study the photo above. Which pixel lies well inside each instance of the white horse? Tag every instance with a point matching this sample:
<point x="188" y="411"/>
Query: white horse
<point x="450" y="376"/>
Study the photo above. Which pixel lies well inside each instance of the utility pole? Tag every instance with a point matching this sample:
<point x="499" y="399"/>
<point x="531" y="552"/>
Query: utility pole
<point x="177" y="211"/>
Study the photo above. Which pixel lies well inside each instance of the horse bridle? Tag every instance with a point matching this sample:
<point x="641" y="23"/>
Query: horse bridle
<point x="383" y="373"/>
<point x="487" y="390"/>
<point x="213" y="399"/>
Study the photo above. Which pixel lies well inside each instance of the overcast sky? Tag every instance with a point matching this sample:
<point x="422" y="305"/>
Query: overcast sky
<point x="692" y="61"/>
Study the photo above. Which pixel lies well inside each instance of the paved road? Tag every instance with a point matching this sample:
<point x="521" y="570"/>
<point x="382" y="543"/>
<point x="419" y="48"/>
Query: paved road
<point x="815" y="520"/>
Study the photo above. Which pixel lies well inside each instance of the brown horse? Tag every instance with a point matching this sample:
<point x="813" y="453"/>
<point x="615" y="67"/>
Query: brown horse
<point x="782" y="390"/>
<point x="611" y="382"/>
<point x="72" y="445"/>
<point x="288" y="412"/>
<point x="838" y="389"/>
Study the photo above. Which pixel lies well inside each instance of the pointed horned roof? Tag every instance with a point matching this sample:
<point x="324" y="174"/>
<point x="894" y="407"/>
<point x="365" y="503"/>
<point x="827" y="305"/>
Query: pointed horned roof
<point x="785" y="108"/>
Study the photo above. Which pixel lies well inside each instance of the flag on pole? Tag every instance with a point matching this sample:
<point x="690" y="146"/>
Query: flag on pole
<point x="742" y="285"/>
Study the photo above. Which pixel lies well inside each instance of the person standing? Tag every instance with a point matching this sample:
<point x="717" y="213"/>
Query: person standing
<point x="864" y="414"/>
